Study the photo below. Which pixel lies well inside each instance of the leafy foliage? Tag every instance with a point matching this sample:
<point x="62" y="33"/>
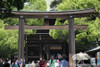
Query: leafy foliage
<point x="6" y="7"/>
<point x="78" y="4"/>
<point x="35" y="5"/>
<point x="54" y="4"/>
<point x="10" y="21"/>
<point x="8" y="40"/>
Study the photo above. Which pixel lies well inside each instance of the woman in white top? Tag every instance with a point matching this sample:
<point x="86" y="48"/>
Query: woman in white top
<point x="56" y="64"/>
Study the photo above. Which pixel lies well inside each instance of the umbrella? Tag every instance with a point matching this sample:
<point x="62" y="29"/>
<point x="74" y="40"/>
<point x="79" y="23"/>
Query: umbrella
<point x="81" y="56"/>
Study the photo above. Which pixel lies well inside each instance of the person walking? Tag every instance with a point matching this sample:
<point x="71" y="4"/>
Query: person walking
<point x="32" y="64"/>
<point x="63" y="62"/>
<point x="13" y="64"/>
<point x="52" y="61"/>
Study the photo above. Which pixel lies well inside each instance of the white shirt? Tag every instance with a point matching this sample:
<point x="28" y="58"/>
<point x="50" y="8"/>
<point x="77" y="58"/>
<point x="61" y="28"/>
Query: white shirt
<point x="56" y="64"/>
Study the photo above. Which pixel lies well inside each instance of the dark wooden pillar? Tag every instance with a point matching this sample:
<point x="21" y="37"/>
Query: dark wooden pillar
<point x="26" y="48"/>
<point x="64" y="47"/>
<point x="71" y="41"/>
<point x="26" y="58"/>
<point x="41" y="47"/>
<point x="47" y="51"/>
<point x="41" y="50"/>
<point x="21" y="39"/>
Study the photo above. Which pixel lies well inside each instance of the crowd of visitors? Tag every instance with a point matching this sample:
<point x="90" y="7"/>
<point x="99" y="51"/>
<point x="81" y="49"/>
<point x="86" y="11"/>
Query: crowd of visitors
<point x="60" y="61"/>
<point x="14" y="63"/>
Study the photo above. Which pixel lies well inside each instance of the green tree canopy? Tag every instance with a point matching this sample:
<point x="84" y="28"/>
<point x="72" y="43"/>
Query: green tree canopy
<point x="8" y="40"/>
<point x="6" y="6"/>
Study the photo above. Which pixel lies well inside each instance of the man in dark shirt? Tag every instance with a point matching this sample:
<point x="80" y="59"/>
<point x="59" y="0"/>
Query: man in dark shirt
<point x="6" y="64"/>
<point x="1" y="64"/>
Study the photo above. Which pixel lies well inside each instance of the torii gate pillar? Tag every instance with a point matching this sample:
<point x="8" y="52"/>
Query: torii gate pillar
<point x="71" y="41"/>
<point x="21" y="39"/>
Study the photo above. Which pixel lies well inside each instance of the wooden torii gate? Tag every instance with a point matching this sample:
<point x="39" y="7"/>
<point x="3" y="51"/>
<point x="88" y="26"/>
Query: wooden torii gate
<point x="70" y="15"/>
